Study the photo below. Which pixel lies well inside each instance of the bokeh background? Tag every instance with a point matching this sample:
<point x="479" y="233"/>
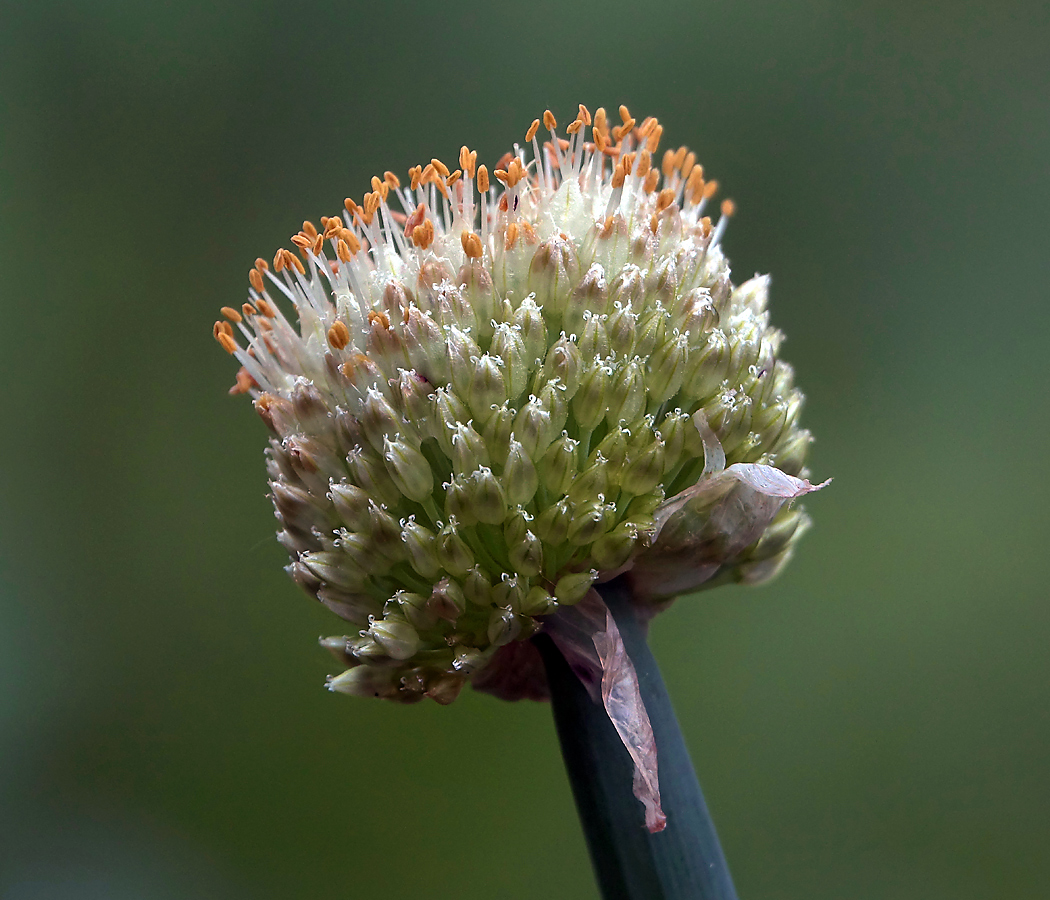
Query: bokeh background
<point x="872" y="725"/>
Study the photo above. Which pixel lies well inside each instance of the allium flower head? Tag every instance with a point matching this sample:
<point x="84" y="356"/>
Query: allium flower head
<point x="503" y="388"/>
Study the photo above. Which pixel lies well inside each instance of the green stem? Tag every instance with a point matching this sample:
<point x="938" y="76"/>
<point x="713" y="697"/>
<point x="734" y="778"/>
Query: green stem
<point x="685" y="860"/>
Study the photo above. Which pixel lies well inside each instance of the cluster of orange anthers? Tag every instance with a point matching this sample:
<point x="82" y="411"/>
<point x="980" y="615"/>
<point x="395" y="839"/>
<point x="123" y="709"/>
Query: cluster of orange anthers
<point x="438" y="198"/>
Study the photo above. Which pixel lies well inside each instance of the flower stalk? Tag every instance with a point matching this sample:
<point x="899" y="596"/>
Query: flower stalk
<point x="684" y="861"/>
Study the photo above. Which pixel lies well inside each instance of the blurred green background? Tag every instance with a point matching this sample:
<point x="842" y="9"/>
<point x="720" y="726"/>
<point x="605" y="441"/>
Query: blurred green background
<point x="872" y="725"/>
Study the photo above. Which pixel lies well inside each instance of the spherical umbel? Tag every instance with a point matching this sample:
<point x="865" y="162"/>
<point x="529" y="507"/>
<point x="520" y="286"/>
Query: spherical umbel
<point x="499" y="391"/>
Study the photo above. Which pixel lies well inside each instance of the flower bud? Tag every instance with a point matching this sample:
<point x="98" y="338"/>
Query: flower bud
<point x="477" y="588"/>
<point x="589" y="297"/>
<point x="613" y="549"/>
<point x="672" y="431"/>
<point x="334" y="568"/>
<point x="667" y="369"/>
<point x="613" y="448"/>
<point x="421" y="546"/>
<point x="528" y="319"/>
<point x="385" y="532"/>
<point x="378" y="418"/>
<point x="508" y="344"/>
<point x="590" y="521"/>
<point x="626" y="395"/>
<point x="409" y="469"/>
<point x="478" y="289"/>
<point x="594" y="340"/>
<point x="526" y="555"/>
<point x="458" y="500"/>
<point x="564" y="363"/>
<point x="790" y="456"/>
<point x="510" y="591"/>
<point x="573" y="587"/>
<point x="553" y="272"/>
<point x="591" y="482"/>
<point x="519" y="475"/>
<point x="448" y="409"/>
<point x="538" y="603"/>
<point x="425" y="345"/>
<point x="645" y="470"/>
<point x="366" y="681"/>
<point x="503" y="628"/>
<point x="447" y="601"/>
<point x="559" y="464"/>
<point x="707" y="368"/>
<point x="588" y="406"/>
<point x="414" y="394"/>
<point x="652" y="324"/>
<point x="462" y="352"/>
<point x="497" y="432"/>
<point x="622" y="328"/>
<point x="552" y="525"/>
<point x="468" y="449"/>
<point x="487" y="497"/>
<point x="487" y="387"/>
<point x="396" y="636"/>
<point x="628" y="288"/>
<point x="415" y="609"/>
<point x="533" y="427"/>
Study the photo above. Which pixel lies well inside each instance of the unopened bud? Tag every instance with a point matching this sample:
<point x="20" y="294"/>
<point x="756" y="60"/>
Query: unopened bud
<point x="645" y="470"/>
<point x="396" y="636"/>
<point x="589" y="405"/>
<point x="409" y="469"/>
<point x="526" y="555"/>
<point x="519" y="475"/>
<point x="594" y="341"/>
<point x="508" y="344"/>
<point x="652" y="324"/>
<point x="447" y="601"/>
<point x="468" y="449"/>
<point x="591" y="482"/>
<point x="708" y="367"/>
<point x="538" y="603"/>
<point x="421" y="546"/>
<point x="559" y="464"/>
<point x="365" y="681"/>
<point x="612" y="550"/>
<point x="487" y="497"/>
<point x="590" y="521"/>
<point x="503" y="628"/>
<point x="529" y="320"/>
<point x="462" y="353"/>
<point x="573" y="587"/>
<point x="627" y="395"/>
<point x="564" y="363"/>
<point x="487" y="387"/>
<point x="454" y="553"/>
<point x="667" y="368"/>
<point x="552" y="525"/>
<point x="448" y="410"/>
<point x="379" y="419"/>
<point x="415" y="609"/>
<point x="497" y="432"/>
<point x="622" y="328"/>
<point x="477" y="588"/>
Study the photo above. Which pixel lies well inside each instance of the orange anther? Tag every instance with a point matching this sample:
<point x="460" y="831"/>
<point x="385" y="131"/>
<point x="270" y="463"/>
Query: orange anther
<point x="377" y="315"/>
<point x="301" y="240"/>
<point x="343" y="251"/>
<point x="483" y="179"/>
<point x="645" y="161"/>
<point x="573" y="127"/>
<point x="338" y="335"/>
<point x="664" y="199"/>
<point x="501" y="175"/>
<point x="607" y="227"/>
<point x="265" y="308"/>
<point x="278" y="260"/>
<point x="584" y="115"/>
<point x="471" y="245"/>
<point x="549" y="121"/>
<point x="247" y="309"/>
<point x="667" y="165"/>
<point x="628" y="163"/>
<point x="231" y="314"/>
<point x="415" y="175"/>
<point x="728" y="208"/>
<point x="599" y="119"/>
<point x="619" y="174"/>
<point x="709" y="189"/>
<point x="261" y="264"/>
<point x="440" y="166"/>
<point x="511" y="236"/>
<point x="294" y="262"/>
<point x="453" y="178"/>
<point x="687" y="164"/>
<point x="309" y="230"/>
<point x="464" y="156"/>
<point x="533" y="128"/>
<point x="529" y="233"/>
<point x="651" y="181"/>
<point x="428" y="173"/>
<point x="599" y="139"/>
<point x="255" y="279"/>
<point x="391" y="180"/>
<point x="624" y="114"/>
<point x="654" y="138"/>
<point x="705" y="225"/>
<point x="352" y="243"/>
